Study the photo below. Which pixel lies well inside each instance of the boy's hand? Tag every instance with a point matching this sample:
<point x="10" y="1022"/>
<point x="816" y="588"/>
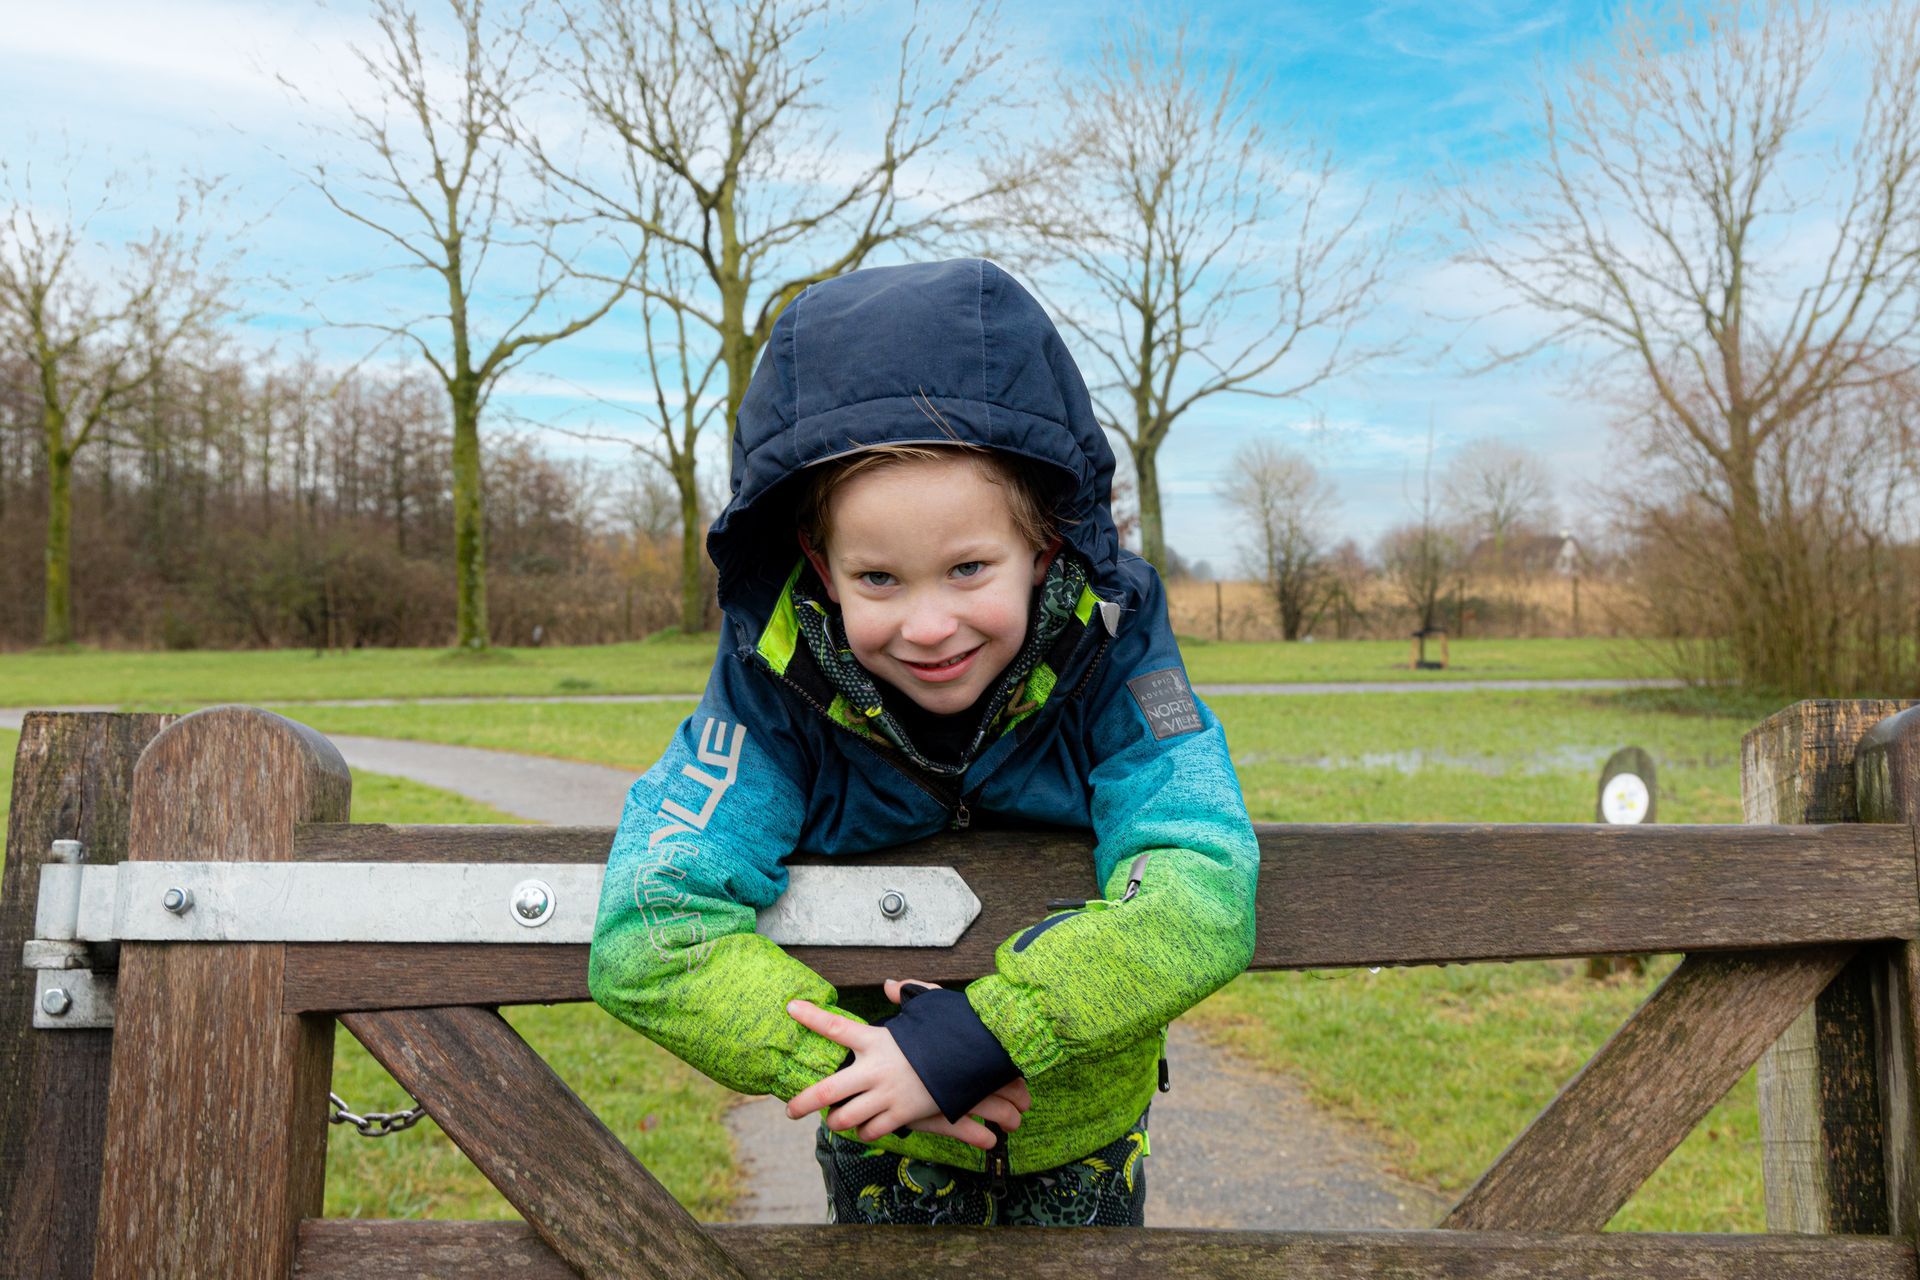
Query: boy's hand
<point x="1014" y="1091"/>
<point x="881" y="1092"/>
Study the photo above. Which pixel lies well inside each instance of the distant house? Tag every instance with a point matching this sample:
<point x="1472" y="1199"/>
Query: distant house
<point x="1530" y="554"/>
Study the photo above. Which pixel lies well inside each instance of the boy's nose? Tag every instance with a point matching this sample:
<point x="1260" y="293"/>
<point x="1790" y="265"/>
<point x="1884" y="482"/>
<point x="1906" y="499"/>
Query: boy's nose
<point x="927" y="625"/>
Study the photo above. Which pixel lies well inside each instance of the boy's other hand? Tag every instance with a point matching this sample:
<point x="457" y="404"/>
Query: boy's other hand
<point x="1014" y="1091"/>
<point x="881" y="1092"/>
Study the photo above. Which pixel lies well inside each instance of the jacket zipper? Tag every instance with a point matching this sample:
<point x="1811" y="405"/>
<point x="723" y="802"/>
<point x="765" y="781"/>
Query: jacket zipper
<point x="997" y="1159"/>
<point x="963" y="816"/>
<point x="1092" y="666"/>
<point x="946" y="802"/>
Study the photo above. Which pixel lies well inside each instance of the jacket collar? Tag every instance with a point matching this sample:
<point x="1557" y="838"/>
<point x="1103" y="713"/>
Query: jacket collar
<point x="804" y="643"/>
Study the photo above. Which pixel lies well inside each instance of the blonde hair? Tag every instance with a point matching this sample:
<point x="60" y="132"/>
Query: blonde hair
<point x="1026" y="501"/>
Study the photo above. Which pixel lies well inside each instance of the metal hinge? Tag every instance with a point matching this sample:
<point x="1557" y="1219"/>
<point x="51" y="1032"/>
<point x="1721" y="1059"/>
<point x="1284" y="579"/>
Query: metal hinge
<point x="72" y="981"/>
<point x="83" y="911"/>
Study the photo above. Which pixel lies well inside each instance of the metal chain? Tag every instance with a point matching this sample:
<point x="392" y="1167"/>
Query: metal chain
<point x="375" y="1124"/>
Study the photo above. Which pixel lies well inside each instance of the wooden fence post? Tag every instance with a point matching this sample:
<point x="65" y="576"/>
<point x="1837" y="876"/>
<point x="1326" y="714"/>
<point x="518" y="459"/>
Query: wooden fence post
<point x="216" y="1120"/>
<point x="1887" y="784"/>
<point x="1824" y="1146"/>
<point x="72" y="780"/>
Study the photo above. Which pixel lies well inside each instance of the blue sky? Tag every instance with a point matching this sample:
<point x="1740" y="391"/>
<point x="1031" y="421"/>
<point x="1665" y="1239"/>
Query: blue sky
<point x="1409" y="97"/>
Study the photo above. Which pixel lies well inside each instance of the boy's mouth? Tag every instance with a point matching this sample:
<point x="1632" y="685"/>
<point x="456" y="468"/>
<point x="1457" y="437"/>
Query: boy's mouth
<point x="947" y="669"/>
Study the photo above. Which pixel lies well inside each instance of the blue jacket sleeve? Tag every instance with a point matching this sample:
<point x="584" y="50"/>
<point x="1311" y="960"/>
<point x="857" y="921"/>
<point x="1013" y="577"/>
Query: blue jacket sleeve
<point x="698" y="850"/>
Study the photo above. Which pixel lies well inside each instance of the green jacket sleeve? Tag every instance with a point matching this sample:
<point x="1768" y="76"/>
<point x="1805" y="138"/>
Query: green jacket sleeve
<point x="698" y="850"/>
<point x="1085" y="983"/>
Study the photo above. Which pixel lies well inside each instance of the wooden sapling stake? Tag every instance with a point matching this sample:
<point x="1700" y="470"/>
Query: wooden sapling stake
<point x="216" y="1121"/>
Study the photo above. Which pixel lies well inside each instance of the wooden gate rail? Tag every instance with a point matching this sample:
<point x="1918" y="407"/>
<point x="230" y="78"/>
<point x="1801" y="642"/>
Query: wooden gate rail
<point x="363" y="1250"/>
<point x="211" y="1159"/>
<point x="1329" y="896"/>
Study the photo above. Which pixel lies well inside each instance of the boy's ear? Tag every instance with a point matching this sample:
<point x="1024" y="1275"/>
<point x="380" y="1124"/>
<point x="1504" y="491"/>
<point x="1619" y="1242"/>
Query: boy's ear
<point x="819" y="563"/>
<point x="1043" y="559"/>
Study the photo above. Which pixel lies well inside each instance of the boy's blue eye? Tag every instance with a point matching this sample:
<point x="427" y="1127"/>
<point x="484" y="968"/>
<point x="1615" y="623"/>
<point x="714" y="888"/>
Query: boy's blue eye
<point x="968" y="569"/>
<point x="875" y="578"/>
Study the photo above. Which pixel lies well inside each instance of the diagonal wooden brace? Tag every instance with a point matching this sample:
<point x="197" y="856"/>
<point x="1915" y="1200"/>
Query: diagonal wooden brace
<point x="550" y="1156"/>
<point x="1617" y="1120"/>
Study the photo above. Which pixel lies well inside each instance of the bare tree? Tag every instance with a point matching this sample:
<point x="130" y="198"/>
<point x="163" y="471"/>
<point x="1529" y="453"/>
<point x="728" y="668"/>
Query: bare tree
<point x="1495" y="489"/>
<point x="1283" y="504"/>
<point x="717" y="162"/>
<point x="681" y="369"/>
<point x="1199" y="255"/>
<point x="646" y="504"/>
<point x="1349" y="573"/>
<point x="1420" y="558"/>
<point x="1840" y="508"/>
<point x="1422" y="555"/>
<point x="93" y="339"/>
<point x="440" y="180"/>
<point x="1689" y="218"/>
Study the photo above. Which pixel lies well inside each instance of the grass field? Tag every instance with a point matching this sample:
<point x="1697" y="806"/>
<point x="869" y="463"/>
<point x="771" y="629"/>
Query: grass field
<point x="1446" y="1064"/>
<point x="671" y="663"/>
<point x="1426" y="757"/>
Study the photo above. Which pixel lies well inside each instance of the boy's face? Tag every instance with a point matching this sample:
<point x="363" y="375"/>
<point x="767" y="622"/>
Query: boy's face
<point x="932" y="578"/>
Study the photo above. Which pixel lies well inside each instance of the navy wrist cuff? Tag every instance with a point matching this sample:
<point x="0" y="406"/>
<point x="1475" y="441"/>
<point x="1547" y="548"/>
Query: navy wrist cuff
<point x="951" y="1050"/>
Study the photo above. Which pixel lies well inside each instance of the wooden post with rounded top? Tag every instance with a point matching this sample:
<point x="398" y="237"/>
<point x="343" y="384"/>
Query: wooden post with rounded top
<point x="1824" y="1142"/>
<point x="1887" y="788"/>
<point x="216" y="1118"/>
<point x="72" y="780"/>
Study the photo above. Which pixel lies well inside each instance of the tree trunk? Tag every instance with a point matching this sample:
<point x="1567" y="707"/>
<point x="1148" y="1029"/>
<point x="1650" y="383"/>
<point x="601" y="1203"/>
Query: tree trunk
<point x="57" y="628"/>
<point x="1291" y="616"/>
<point x="736" y="344"/>
<point x="1153" y="545"/>
<point x="1767" y="649"/>
<point x="738" y="351"/>
<point x="469" y="519"/>
<point x="693" y="595"/>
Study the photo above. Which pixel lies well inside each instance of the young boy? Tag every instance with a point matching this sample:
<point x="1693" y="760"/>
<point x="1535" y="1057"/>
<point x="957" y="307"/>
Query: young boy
<point x="929" y="625"/>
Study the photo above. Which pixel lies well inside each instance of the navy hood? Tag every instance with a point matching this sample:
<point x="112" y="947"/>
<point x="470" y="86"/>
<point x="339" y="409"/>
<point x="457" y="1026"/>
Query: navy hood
<point x="928" y="353"/>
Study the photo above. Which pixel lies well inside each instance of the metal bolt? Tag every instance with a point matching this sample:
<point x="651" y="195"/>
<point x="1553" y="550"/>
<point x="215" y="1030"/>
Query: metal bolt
<point x="893" y="904"/>
<point x="71" y="852"/>
<point x="56" y="1002"/>
<point x="532" y="902"/>
<point x="178" y="901"/>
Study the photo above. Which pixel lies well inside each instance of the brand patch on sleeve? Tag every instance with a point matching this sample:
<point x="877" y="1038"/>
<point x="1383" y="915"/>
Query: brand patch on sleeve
<point x="1167" y="702"/>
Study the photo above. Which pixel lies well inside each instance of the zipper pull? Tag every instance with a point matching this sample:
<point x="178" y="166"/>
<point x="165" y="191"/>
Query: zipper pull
<point x="1133" y="876"/>
<point x="997" y="1158"/>
<point x="961" y="815"/>
<point x="1165" y="1086"/>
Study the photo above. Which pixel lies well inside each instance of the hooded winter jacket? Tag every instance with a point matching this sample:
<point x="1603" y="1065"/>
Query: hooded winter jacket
<point x="1102" y="733"/>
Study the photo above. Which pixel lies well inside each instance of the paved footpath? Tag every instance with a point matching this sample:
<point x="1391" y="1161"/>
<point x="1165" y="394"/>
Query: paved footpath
<point x="1233" y="1146"/>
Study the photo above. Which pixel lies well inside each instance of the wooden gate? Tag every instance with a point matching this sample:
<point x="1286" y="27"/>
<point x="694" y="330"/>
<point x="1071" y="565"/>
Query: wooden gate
<point x="201" y="1151"/>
